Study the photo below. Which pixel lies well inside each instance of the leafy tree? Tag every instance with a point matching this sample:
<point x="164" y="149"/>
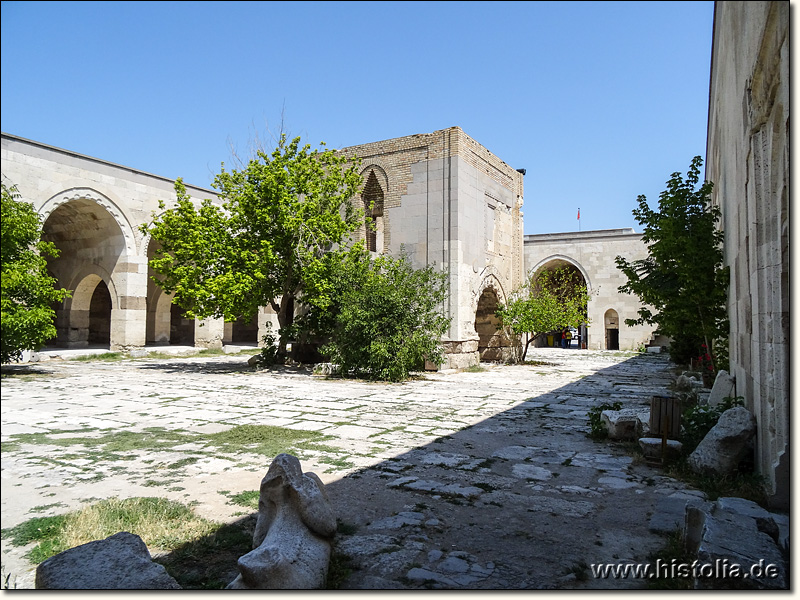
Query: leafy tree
<point x="384" y="318"/>
<point x="282" y="214"/>
<point x="682" y="282"/>
<point x="27" y="289"/>
<point x="550" y="301"/>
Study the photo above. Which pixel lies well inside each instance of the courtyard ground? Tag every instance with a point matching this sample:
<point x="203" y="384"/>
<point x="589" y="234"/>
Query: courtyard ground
<point x="472" y="480"/>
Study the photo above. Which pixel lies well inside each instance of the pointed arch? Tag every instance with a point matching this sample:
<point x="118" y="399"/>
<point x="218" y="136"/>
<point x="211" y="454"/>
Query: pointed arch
<point x="118" y="214"/>
<point x="559" y="259"/>
<point x="372" y="197"/>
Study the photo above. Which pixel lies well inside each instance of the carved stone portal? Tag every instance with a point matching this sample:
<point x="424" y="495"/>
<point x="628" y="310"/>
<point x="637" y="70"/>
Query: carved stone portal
<point x="293" y="534"/>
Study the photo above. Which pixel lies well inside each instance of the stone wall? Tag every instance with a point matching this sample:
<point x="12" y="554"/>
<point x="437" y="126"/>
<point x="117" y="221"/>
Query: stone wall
<point x="748" y="161"/>
<point x="593" y="253"/>
<point x="91" y="210"/>
<point x="450" y="203"/>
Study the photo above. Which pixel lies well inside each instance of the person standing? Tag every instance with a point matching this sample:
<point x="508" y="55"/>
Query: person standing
<point x="569" y="338"/>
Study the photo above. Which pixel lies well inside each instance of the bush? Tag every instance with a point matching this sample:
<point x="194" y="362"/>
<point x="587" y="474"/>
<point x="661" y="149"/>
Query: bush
<point x="698" y="420"/>
<point x="597" y="429"/>
<point x="27" y="289"/>
<point x="384" y="319"/>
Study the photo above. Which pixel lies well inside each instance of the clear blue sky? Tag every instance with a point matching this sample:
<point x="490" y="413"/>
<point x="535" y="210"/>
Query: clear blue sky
<point x="599" y="101"/>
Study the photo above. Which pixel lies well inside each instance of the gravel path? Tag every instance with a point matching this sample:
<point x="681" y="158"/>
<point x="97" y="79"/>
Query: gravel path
<point x="473" y="480"/>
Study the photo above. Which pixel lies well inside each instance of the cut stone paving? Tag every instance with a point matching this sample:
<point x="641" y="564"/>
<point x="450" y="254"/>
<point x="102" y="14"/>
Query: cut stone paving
<point x="453" y="480"/>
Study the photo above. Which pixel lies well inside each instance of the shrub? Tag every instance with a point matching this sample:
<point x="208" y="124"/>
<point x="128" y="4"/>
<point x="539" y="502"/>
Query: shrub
<point x="385" y="318"/>
<point x="698" y="420"/>
<point x="597" y="429"/>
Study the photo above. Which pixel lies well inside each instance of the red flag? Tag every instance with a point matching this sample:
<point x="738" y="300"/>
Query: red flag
<point x="579" y="214"/>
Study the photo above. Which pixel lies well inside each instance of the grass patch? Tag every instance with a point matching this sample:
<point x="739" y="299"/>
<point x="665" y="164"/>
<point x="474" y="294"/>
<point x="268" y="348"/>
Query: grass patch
<point x="200" y="554"/>
<point x="339" y="569"/>
<point x="673" y="552"/>
<point x="475" y="369"/>
<point x="105" y="356"/>
<point x="161" y="523"/>
<point x="248" y="499"/>
<point x="265" y="439"/>
<point x="597" y="428"/>
<point x="119" y="445"/>
<point x="337" y="462"/>
<point x="184" y="462"/>
<point x="747" y="485"/>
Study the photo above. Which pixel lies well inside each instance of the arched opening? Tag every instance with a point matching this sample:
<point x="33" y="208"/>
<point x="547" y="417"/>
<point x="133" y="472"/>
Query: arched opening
<point x="100" y="316"/>
<point x="245" y="331"/>
<point x="492" y="344"/>
<point x="90" y="244"/>
<point x="611" y="323"/>
<point x="159" y="329"/>
<point x="373" y="213"/>
<point x="572" y="277"/>
<point x="181" y="330"/>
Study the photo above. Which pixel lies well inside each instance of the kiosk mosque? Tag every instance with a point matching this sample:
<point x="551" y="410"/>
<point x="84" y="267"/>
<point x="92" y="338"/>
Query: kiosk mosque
<point x="441" y="197"/>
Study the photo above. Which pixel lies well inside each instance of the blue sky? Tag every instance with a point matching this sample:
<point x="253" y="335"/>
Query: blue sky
<point x="598" y="101"/>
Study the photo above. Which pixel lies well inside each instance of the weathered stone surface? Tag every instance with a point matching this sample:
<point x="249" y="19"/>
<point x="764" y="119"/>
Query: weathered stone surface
<point x="622" y="424"/>
<point x="764" y="519"/>
<point x="651" y="448"/>
<point x="726" y="444"/>
<point x="724" y="387"/>
<point x="670" y="513"/>
<point x="292" y="538"/>
<point x="725" y="537"/>
<point x="119" y="562"/>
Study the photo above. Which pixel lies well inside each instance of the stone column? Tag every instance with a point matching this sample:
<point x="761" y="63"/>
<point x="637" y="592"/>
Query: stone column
<point x="129" y="318"/>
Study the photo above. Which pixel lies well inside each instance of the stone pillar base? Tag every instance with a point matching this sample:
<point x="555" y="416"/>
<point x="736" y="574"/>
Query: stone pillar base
<point x="460" y="354"/>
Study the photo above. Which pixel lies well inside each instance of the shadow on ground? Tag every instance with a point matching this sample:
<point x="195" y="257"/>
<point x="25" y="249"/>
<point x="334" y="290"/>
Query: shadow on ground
<point x="522" y="500"/>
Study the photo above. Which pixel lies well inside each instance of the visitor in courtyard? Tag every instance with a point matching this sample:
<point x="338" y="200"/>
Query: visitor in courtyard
<point x="569" y="338"/>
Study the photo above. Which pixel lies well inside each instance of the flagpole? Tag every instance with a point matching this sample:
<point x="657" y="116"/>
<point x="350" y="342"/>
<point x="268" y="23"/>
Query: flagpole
<point x="579" y="219"/>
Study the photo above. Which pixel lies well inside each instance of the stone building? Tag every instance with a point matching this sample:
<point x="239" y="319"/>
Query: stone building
<point x="593" y="254"/>
<point x="747" y="158"/>
<point x="440" y="197"/>
<point x="447" y="201"/>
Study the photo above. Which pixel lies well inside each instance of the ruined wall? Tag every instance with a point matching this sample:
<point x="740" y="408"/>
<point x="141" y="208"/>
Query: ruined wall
<point x="593" y="253"/>
<point x="747" y="158"/>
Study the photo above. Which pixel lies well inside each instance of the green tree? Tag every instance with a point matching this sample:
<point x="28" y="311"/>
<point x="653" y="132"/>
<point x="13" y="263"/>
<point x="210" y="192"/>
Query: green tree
<point x="282" y="214"/>
<point x="384" y="318"/>
<point x="550" y="301"/>
<point x="27" y="289"/>
<point x="682" y="282"/>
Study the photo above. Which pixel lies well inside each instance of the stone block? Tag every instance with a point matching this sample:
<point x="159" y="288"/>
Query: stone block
<point x="651" y="448"/>
<point x="724" y="387"/>
<point x="726" y="444"/>
<point x="622" y="424"/>
<point x="119" y="562"/>
<point x="724" y="537"/>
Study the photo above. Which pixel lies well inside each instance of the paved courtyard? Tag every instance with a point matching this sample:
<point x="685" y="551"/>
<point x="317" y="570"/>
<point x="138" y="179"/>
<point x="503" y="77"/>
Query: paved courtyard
<point x="473" y="480"/>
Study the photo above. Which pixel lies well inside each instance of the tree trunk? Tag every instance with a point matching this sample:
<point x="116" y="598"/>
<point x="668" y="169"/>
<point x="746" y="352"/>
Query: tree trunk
<point x="285" y="320"/>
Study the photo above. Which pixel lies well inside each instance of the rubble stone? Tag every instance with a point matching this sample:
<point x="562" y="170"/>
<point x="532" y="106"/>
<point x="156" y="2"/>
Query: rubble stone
<point x="119" y="562"/>
<point x="726" y="444"/>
